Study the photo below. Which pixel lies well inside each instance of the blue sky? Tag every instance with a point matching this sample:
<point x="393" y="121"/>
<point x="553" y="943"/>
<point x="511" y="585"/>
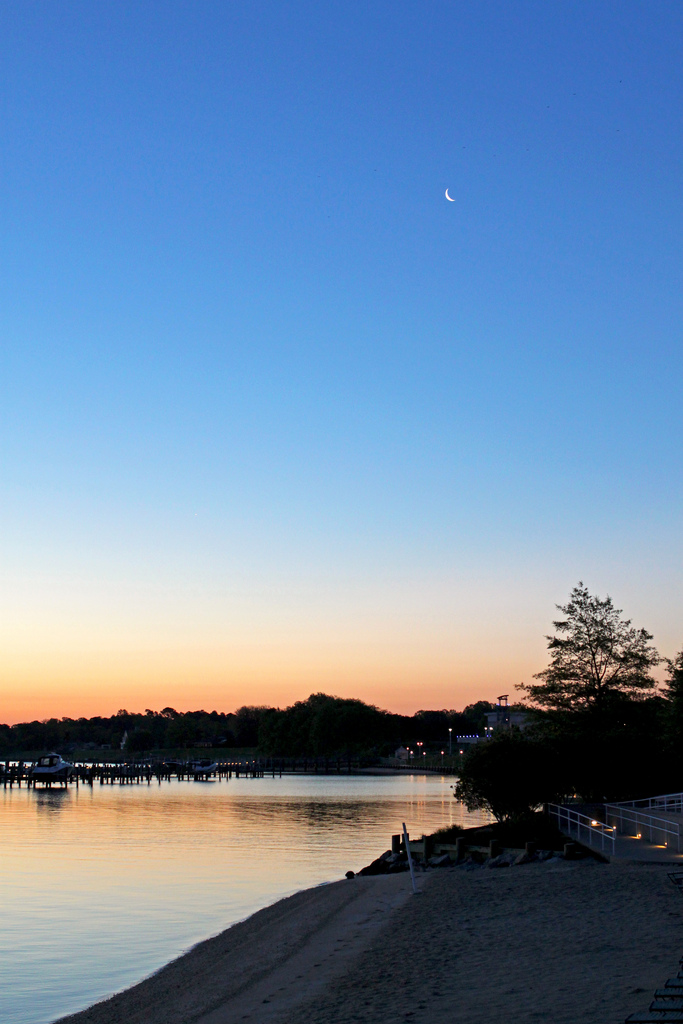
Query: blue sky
<point x="276" y="415"/>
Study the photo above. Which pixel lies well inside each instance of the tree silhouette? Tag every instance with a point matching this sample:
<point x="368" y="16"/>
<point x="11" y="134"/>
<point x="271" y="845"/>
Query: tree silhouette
<point x="597" y="656"/>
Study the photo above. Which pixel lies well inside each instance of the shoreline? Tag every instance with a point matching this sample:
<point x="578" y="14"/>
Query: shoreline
<point x="556" y="940"/>
<point x="297" y="945"/>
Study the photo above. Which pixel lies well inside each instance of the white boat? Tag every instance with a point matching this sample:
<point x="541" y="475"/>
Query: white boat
<point x="51" y="768"/>
<point x="202" y="769"/>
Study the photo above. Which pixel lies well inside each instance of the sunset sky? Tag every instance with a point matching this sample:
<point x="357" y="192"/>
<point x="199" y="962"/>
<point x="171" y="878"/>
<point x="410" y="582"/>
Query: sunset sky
<point x="276" y="416"/>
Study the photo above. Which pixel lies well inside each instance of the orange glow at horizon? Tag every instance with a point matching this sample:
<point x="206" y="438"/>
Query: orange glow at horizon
<point x="93" y="687"/>
<point x="403" y="645"/>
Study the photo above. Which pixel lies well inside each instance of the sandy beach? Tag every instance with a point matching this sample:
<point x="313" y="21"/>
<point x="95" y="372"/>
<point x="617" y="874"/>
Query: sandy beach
<point x="561" y="941"/>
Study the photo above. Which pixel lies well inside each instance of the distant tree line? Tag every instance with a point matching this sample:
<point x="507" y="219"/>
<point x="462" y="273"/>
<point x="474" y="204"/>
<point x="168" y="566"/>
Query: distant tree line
<point x="149" y="730"/>
<point x="321" y="726"/>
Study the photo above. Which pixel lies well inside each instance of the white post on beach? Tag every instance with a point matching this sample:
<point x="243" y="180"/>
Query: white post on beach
<point x="410" y="859"/>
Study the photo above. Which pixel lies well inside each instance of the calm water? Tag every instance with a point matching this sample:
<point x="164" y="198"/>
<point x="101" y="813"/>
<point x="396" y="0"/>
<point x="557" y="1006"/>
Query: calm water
<point x="101" y="887"/>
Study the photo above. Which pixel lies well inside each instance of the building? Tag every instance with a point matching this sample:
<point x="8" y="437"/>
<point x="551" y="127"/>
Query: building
<point x="505" y="717"/>
<point x="464" y="742"/>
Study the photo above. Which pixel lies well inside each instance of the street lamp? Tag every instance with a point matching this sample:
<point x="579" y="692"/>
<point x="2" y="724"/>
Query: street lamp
<point x="450" y="741"/>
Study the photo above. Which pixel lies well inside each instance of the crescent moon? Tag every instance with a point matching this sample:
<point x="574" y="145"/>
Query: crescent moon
<point x="448" y="197"/>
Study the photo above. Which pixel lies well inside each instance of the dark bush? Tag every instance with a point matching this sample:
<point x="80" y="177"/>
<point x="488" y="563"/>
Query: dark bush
<point x="509" y="776"/>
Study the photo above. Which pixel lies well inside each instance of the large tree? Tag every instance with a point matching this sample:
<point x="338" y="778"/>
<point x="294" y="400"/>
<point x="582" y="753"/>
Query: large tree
<point x="673" y="692"/>
<point x="595" y="657"/>
<point x="674" y="684"/>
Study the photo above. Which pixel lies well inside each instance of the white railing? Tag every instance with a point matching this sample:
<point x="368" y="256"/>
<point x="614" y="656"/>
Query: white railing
<point x="672" y="802"/>
<point x="636" y="822"/>
<point x="586" y="830"/>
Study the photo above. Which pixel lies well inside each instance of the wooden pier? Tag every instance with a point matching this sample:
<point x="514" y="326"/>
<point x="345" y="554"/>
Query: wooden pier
<point x="91" y="773"/>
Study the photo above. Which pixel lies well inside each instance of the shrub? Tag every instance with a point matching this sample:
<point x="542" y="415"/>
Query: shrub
<point x="509" y="776"/>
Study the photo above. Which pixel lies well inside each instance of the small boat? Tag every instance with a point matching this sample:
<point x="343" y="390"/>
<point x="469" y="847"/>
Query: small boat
<point x="202" y="769"/>
<point x="51" y="768"/>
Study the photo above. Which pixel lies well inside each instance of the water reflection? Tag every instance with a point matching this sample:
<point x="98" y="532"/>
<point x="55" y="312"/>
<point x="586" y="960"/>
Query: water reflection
<point x="167" y="865"/>
<point x="312" y="815"/>
<point x="50" y="800"/>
